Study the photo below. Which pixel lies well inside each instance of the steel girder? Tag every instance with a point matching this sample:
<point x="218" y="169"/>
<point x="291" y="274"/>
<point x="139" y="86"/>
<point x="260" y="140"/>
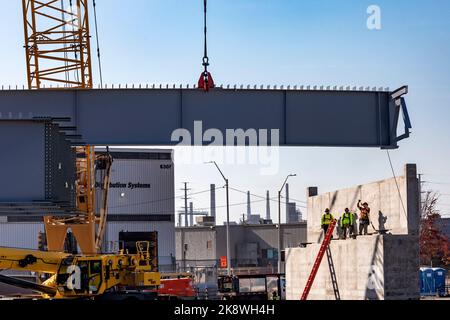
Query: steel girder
<point x="335" y="118"/>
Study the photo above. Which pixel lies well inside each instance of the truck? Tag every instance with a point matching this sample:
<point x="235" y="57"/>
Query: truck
<point x="251" y="287"/>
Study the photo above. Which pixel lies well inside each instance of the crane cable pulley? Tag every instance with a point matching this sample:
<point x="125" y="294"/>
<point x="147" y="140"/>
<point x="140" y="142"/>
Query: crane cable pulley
<point x="206" y="81"/>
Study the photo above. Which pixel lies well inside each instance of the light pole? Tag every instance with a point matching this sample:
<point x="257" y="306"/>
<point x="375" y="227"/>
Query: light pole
<point x="228" y="218"/>
<point x="279" y="220"/>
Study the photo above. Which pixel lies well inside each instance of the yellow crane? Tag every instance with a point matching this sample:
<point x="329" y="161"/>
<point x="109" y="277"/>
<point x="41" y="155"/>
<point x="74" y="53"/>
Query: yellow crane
<point x="87" y="225"/>
<point x="58" y="56"/>
<point x="84" y="276"/>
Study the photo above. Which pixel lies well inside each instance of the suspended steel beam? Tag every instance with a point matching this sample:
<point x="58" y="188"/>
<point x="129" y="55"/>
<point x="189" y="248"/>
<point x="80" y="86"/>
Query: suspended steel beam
<point x="288" y="117"/>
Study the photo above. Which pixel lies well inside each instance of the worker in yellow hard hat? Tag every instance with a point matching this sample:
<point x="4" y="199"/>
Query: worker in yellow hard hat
<point x="327" y="219"/>
<point x="346" y="223"/>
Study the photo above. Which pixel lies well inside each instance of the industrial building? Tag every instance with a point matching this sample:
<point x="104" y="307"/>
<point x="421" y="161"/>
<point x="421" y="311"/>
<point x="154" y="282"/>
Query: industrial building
<point x="141" y="199"/>
<point x="253" y="249"/>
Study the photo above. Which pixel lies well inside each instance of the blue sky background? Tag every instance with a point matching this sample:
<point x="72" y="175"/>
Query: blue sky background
<point x="321" y="42"/>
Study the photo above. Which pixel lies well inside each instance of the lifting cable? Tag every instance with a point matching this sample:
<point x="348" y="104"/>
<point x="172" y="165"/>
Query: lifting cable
<point x="206" y="81"/>
<point x="396" y="183"/>
<point x="98" y="44"/>
<point x="72" y="20"/>
<point x="66" y="56"/>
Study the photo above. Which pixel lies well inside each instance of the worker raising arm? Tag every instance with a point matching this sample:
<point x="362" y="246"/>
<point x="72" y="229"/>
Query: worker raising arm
<point x="364" y="218"/>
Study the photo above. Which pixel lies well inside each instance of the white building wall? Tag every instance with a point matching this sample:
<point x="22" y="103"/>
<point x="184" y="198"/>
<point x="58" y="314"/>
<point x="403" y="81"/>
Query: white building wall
<point x="20" y="235"/>
<point x="142" y="186"/>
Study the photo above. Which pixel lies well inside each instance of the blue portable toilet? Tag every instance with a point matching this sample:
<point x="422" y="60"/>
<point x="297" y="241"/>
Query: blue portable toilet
<point x="427" y="282"/>
<point x="420" y="280"/>
<point x="439" y="276"/>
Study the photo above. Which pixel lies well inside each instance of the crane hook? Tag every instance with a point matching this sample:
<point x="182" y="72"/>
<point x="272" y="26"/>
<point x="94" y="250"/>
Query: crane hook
<point x="206" y="81"/>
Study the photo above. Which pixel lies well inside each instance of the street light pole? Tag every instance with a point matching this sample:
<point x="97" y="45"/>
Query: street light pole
<point x="228" y="231"/>
<point x="279" y="220"/>
<point x="228" y="218"/>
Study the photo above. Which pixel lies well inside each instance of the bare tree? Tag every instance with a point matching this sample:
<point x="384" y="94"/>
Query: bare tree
<point x="434" y="245"/>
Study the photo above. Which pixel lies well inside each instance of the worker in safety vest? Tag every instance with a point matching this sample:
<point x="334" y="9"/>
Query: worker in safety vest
<point x="346" y="223"/>
<point x="364" y="217"/>
<point x="353" y="231"/>
<point x="327" y="219"/>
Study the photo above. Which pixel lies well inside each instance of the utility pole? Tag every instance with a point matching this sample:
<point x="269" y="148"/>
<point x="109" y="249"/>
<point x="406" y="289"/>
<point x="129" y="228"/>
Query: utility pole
<point x="185" y="189"/>
<point x="279" y="220"/>
<point x="420" y="194"/>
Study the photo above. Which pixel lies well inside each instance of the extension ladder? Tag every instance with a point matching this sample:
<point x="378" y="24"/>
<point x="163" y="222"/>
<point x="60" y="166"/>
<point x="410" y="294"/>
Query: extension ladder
<point x="323" y="248"/>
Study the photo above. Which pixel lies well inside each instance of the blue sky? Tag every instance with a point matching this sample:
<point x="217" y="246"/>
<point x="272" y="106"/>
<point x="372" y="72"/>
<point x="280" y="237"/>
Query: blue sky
<point x="320" y="42"/>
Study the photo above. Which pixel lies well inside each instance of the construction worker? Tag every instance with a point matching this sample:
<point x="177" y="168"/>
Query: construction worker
<point x="353" y="231"/>
<point x="364" y="218"/>
<point x="327" y="219"/>
<point x="346" y="223"/>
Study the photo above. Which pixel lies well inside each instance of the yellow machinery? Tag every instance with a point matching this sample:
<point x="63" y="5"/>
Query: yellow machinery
<point x="57" y="45"/>
<point x="82" y="276"/>
<point x="86" y="224"/>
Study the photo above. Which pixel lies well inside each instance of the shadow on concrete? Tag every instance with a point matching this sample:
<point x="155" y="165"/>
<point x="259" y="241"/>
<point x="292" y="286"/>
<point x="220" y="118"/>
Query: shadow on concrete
<point x="375" y="282"/>
<point x="382" y="221"/>
<point x="357" y="195"/>
<point x="334" y="281"/>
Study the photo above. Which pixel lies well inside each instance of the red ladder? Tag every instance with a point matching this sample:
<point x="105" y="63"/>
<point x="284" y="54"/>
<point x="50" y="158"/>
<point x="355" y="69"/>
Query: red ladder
<point x="323" y="249"/>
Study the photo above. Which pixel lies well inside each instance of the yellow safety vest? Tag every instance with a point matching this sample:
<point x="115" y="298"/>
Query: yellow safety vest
<point x="347" y="219"/>
<point x="327" y="218"/>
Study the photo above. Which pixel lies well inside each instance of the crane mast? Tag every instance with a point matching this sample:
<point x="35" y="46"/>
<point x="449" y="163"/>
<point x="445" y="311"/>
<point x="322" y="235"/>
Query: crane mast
<point x="57" y="44"/>
<point x="58" y="52"/>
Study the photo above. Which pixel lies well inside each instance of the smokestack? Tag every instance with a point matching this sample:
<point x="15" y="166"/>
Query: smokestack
<point x="287" y="202"/>
<point x="213" y="202"/>
<point x="249" y="209"/>
<point x="268" y="206"/>
<point x="191" y="214"/>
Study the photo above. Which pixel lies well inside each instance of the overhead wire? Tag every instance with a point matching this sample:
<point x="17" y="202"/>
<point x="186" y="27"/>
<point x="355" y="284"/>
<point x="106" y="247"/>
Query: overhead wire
<point x="262" y="197"/>
<point x="161" y="200"/>
<point x="98" y="44"/>
<point x="72" y="22"/>
<point x="396" y="183"/>
<point x="66" y="56"/>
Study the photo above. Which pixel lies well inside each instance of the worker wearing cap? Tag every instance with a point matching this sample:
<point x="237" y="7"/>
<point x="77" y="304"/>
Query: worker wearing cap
<point x="327" y="219"/>
<point x="346" y="223"/>
<point x="364" y="218"/>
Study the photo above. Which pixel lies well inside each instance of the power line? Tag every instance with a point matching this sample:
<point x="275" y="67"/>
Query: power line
<point x="233" y="205"/>
<point x="161" y="200"/>
<point x="437" y="183"/>
<point x="396" y="183"/>
<point x="296" y="200"/>
<point x="262" y="197"/>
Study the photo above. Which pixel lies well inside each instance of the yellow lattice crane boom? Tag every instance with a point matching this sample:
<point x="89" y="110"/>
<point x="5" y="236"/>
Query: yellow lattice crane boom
<point x="57" y="43"/>
<point x="58" y="52"/>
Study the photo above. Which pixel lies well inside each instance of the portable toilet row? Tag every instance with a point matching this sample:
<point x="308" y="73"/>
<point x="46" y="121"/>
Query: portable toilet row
<point x="432" y="281"/>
